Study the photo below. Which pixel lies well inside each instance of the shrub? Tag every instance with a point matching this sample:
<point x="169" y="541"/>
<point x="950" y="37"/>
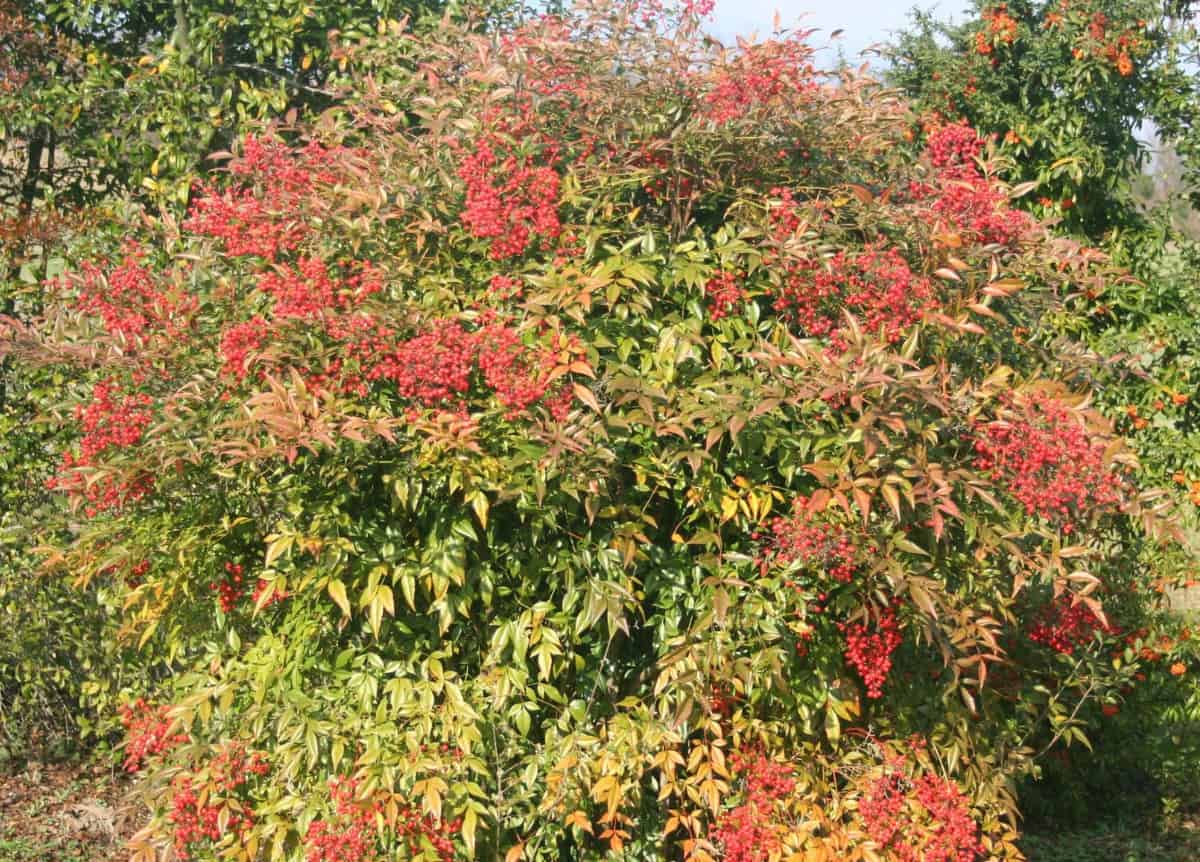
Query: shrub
<point x="593" y="441"/>
<point x="1064" y="89"/>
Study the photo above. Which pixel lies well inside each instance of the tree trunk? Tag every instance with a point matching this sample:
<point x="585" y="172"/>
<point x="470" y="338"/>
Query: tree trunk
<point x="39" y="140"/>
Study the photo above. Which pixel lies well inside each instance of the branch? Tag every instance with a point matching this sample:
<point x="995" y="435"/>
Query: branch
<point x="282" y="76"/>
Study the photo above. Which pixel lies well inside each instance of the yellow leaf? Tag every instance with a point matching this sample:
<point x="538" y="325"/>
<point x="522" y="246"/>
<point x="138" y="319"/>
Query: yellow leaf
<point x="337" y="592"/>
<point x="279" y="545"/>
<point x="833" y="727"/>
<point x="893" y="498"/>
<point x="469" y="822"/>
<point x="386" y="598"/>
<point x="479" y="502"/>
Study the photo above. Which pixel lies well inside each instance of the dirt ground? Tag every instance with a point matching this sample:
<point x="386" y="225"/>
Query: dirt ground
<point x="67" y="813"/>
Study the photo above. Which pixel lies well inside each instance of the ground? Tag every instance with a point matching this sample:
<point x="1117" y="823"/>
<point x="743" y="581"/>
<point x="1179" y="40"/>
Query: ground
<point x="64" y="813"/>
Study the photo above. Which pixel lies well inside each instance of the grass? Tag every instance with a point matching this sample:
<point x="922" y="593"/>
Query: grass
<point x="1116" y="843"/>
<point x="23" y="850"/>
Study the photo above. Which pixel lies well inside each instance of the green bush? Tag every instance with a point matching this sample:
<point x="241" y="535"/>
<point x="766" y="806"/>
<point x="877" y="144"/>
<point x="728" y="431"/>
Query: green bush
<point x="588" y="441"/>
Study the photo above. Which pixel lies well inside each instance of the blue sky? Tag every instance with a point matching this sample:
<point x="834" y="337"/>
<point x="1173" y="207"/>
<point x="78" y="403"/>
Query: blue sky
<point x="863" y="22"/>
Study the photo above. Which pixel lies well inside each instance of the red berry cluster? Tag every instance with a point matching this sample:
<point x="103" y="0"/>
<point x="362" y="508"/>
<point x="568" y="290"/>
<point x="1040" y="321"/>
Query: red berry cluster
<point x="746" y="834"/>
<point x="276" y="596"/>
<point x="230" y="590"/>
<point x="1047" y="461"/>
<point x="260" y="218"/>
<point x="148" y="733"/>
<point x="805" y="537"/>
<point x="436" y="367"/>
<point x="505" y="287"/>
<point x="963" y="198"/>
<point x="724" y="294"/>
<point x="953" y="834"/>
<point x="722" y="699"/>
<point x="307" y="289"/>
<point x="509" y="197"/>
<point x="129" y="301"/>
<point x="135" y="575"/>
<point x="926" y="820"/>
<point x="1065" y="627"/>
<point x="367" y="351"/>
<point x="952" y="145"/>
<point x="750" y="832"/>
<point x="662" y="182"/>
<point x="784" y="216"/>
<point x="518" y="376"/>
<point x="979" y="208"/>
<point x="238" y="342"/>
<point x="194" y="822"/>
<point x="765" y="779"/>
<point x="244" y="223"/>
<point x="110" y="422"/>
<point x="353" y="835"/>
<point x="882" y="806"/>
<point x="232" y="767"/>
<point x="869" y="649"/>
<point x="432" y="367"/>
<point x="218" y="809"/>
<point x="284" y="170"/>
<point x="759" y="76"/>
<point x="875" y="284"/>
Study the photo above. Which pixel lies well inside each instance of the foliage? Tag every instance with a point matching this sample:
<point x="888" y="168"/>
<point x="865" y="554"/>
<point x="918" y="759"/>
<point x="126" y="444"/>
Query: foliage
<point x="103" y="100"/>
<point x="1106" y="841"/>
<point x="1063" y="88"/>
<point x="1066" y="87"/>
<point x="116" y="95"/>
<point x="588" y="440"/>
<point x="1132" y="776"/>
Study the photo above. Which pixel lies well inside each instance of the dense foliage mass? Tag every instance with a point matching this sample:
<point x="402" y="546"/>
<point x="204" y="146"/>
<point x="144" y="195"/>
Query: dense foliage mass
<point x="107" y="95"/>
<point x="585" y="440"/>
<point x="1070" y="91"/>
<point x="101" y="102"/>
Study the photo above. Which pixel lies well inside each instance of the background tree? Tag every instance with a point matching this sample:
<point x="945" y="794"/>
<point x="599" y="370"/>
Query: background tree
<point x="1069" y="89"/>
<point x="141" y="91"/>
